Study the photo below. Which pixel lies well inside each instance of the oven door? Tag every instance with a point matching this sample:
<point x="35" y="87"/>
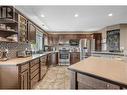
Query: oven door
<point x="64" y="56"/>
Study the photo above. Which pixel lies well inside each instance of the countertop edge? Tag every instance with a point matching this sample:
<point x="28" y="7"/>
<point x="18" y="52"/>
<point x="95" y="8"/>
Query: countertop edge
<point x="36" y="56"/>
<point x="98" y="77"/>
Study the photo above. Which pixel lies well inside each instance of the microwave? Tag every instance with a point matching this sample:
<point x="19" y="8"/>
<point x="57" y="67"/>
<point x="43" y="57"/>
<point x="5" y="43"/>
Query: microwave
<point x="74" y="42"/>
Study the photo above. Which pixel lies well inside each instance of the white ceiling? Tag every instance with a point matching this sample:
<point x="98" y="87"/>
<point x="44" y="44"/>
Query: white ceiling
<point x="61" y="18"/>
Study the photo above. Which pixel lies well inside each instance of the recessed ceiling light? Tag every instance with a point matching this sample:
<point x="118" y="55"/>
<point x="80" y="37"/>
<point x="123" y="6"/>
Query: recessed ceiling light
<point x="110" y="14"/>
<point x="76" y="15"/>
<point x="42" y="15"/>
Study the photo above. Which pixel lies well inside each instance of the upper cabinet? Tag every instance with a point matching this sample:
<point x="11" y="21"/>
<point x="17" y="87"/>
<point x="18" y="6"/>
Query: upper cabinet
<point x="22" y="29"/>
<point x="8" y="24"/>
<point x="31" y="32"/>
<point x="8" y="14"/>
<point x="97" y="37"/>
<point x="15" y="27"/>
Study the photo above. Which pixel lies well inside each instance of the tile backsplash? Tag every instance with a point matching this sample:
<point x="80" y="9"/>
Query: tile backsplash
<point x="13" y="48"/>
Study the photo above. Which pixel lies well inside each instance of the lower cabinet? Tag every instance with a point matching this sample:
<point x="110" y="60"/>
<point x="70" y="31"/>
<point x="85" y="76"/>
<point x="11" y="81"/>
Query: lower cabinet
<point x="30" y="73"/>
<point x="81" y="81"/>
<point x="74" y="57"/>
<point x="24" y="76"/>
<point x="34" y="72"/>
<point x="24" y="80"/>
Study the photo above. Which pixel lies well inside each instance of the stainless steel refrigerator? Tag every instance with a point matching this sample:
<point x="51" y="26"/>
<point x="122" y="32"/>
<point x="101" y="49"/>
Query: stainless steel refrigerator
<point x="85" y="48"/>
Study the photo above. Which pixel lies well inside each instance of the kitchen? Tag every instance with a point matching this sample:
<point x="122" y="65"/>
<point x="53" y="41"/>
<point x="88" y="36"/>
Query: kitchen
<point x="31" y="57"/>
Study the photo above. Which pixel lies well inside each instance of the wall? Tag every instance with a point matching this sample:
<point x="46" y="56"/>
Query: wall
<point x="123" y="35"/>
<point x="13" y="48"/>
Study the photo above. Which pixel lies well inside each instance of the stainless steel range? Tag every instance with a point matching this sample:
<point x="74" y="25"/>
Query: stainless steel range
<point x="64" y="56"/>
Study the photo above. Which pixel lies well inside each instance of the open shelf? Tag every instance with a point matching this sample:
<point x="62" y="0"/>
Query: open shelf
<point x="7" y="20"/>
<point x="6" y="33"/>
<point x="9" y="41"/>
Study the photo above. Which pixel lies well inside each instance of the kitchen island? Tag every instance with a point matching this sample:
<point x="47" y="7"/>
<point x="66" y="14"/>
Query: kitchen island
<point x="99" y="73"/>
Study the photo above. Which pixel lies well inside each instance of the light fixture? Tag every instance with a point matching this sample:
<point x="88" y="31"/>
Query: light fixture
<point x="42" y="15"/>
<point x="110" y="14"/>
<point x="76" y="15"/>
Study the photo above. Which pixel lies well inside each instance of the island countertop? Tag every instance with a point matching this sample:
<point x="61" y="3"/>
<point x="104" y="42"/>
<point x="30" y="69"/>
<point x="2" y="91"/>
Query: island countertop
<point x="104" y="68"/>
<point x="16" y="61"/>
<point x="108" y="53"/>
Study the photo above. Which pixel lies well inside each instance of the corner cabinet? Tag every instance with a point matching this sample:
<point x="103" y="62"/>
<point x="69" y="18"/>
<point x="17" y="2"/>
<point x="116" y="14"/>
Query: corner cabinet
<point x="31" y="32"/>
<point x="8" y="24"/>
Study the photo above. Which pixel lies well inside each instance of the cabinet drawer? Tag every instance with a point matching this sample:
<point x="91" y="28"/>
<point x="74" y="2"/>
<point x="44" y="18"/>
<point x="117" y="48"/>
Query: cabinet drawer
<point x="33" y="74"/>
<point x="33" y="62"/>
<point x="32" y="69"/>
<point x="34" y="80"/>
<point x="91" y="82"/>
<point x="24" y="67"/>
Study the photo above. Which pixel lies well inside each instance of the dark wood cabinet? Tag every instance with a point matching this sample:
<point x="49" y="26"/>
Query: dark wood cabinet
<point x="82" y="81"/>
<point x="74" y="57"/>
<point x="31" y="32"/>
<point x="9" y="13"/>
<point x="97" y="37"/>
<point x="24" y="76"/>
<point x="8" y="23"/>
<point x="93" y="83"/>
<point x="34" y="72"/>
<point x="22" y="29"/>
<point x="24" y="80"/>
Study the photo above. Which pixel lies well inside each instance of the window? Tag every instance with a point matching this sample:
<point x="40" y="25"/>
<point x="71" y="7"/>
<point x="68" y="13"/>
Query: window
<point x="38" y="47"/>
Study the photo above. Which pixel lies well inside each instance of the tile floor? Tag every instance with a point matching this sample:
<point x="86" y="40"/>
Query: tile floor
<point x="56" y="78"/>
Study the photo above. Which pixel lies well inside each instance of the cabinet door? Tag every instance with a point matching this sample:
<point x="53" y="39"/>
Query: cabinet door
<point x="34" y="72"/>
<point x="31" y="33"/>
<point x="24" y="80"/>
<point x="24" y="76"/>
<point x="75" y="57"/>
<point x="22" y="29"/>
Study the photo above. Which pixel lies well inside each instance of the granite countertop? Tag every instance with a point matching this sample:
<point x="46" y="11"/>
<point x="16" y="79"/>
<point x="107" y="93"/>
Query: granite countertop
<point x="110" y="69"/>
<point x="106" y="52"/>
<point x="17" y="61"/>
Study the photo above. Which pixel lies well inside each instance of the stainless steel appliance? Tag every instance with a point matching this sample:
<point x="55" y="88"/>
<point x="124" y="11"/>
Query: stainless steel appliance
<point x="24" y="53"/>
<point x="85" y="48"/>
<point x="64" y="56"/>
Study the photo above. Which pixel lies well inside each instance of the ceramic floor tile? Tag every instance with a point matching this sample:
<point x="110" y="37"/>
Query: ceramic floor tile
<point x="56" y="78"/>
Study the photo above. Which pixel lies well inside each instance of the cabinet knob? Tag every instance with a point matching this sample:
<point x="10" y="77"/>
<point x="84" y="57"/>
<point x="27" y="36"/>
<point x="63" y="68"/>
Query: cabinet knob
<point x="108" y="85"/>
